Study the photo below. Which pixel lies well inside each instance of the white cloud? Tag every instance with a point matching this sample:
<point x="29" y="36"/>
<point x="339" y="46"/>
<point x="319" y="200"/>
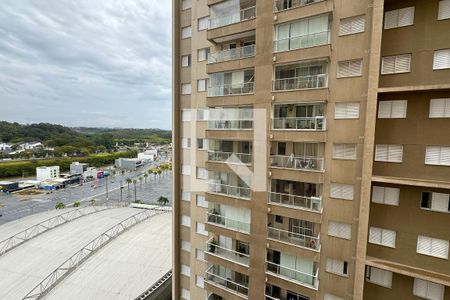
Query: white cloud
<point x="65" y="61"/>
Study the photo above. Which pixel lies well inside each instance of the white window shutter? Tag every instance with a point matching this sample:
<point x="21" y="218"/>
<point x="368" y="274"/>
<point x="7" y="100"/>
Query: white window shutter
<point x="438" y="108"/>
<point x="439" y="248"/>
<point x="380" y="277"/>
<point x="355" y="67"/>
<point x="406" y="16"/>
<point x="378" y="194"/>
<point x="352" y="25"/>
<point x="395" y="153"/>
<point x="346" y="111"/>
<point x="402" y="63"/>
<point x="338" y="151"/>
<point x="439" y="202"/>
<point x="388" y="238"/>
<point x="384" y="109"/>
<point x="391" y="196"/>
<point x="358" y="24"/>
<point x="444" y="10"/>
<point x="388" y="65"/>
<point x="441" y="59"/>
<point x="345" y="26"/>
<point x="399" y="108"/>
<point x="390" y="19"/>
<point x="374" y="235"/>
<point x="340" y="230"/>
<point x="381" y="152"/>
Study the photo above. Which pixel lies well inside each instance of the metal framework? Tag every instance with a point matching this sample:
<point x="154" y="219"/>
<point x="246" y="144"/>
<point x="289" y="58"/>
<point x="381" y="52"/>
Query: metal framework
<point x="46" y="225"/>
<point x="49" y="282"/>
<point x="154" y="287"/>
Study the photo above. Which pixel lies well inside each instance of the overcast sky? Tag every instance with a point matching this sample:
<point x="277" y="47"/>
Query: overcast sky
<point x="86" y="62"/>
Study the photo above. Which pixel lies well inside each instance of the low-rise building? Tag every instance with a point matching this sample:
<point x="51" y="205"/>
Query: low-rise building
<point x="5" y="147"/>
<point x="46" y="173"/>
<point x="149" y="155"/>
<point x="30" y="146"/>
<point x="128" y="163"/>
<point x="78" y="168"/>
<point x="8" y="186"/>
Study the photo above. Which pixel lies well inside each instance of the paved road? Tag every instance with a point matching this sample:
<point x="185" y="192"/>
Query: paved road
<point x="15" y="207"/>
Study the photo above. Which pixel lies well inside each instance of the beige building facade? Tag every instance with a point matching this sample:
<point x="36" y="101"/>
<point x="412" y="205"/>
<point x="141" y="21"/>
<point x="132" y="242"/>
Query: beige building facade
<point x="311" y="149"/>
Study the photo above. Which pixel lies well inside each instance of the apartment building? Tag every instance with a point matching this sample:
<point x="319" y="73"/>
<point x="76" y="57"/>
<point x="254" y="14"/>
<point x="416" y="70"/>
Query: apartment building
<point x="311" y="149"/>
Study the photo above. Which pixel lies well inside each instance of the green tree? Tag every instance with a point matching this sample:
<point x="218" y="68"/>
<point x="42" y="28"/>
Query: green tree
<point x="145" y="177"/>
<point x="60" y="205"/>
<point x="128" y="181"/>
<point x="76" y="204"/>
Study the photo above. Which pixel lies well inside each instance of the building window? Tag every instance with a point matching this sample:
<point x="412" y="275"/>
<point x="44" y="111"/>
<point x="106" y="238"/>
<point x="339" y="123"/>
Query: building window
<point x="396" y="64"/>
<point x="201" y="202"/>
<point x="399" y="18"/>
<point x="340" y="230"/>
<point x="186" y="4"/>
<point x="186" y="61"/>
<point x="186" y="270"/>
<point x="202" y="173"/>
<point x="186" y="32"/>
<point x="186" y="246"/>
<point x="389" y="153"/>
<point x="185" y="294"/>
<point x="186" y="196"/>
<point x="435" y="201"/>
<point x="428" y="290"/>
<point x="440" y="108"/>
<point x="349" y="68"/>
<point x="432" y="247"/>
<point x="186" y="115"/>
<point x="186" y="143"/>
<point x="199" y="281"/>
<point x="202" y="114"/>
<point x="202" y="54"/>
<point x="437" y="155"/>
<point x="203" y="23"/>
<point x="200" y="229"/>
<point x="383" y="237"/>
<point x="202" y="144"/>
<point x="392" y="109"/>
<point x="379" y="276"/>
<point x="346" y="111"/>
<point x="441" y="59"/>
<point x="341" y="191"/>
<point x="185" y="169"/>
<point x="344" y="151"/>
<point x="186" y="89"/>
<point x="186" y="221"/>
<point x="201" y="85"/>
<point x="352" y="25"/>
<point x="386" y="195"/>
<point x="337" y="266"/>
<point x="444" y="10"/>
<point x="200" y="254"/>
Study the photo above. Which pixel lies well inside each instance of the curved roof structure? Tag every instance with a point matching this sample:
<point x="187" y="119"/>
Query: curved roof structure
<point x="122" y="269"/>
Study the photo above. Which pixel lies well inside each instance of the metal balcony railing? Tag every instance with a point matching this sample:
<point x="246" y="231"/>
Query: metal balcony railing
<point x="301" y="82"/>
<point x="214" y="277"/>
<point x="297" y="239"/>
<point x="232" y="54"/>
<point x="309" y="280"/>
<point x="231" y="157"/>
<point x="270" y="297"/>
<point x="225" y="253"/>
<point x="297" y="162"/>
<point x="229" y="190"/>
<point x="228" y="223"/>
<point x="317" y="123"/>
<point x="302" y="202"/>
<point x="230" y="89"/>
<point x="280" y="5"/>
<point x="243" y="15"/>
<point x="302" y="41"/>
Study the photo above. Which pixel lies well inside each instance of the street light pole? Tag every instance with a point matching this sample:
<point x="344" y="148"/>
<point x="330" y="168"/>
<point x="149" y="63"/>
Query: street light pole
<point x="106" y="181"/>
<point x="121" y="190"/>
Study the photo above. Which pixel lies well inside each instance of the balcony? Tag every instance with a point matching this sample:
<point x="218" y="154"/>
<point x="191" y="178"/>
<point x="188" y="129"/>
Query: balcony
<point x="230" y="89"/>
<point x="232" y="54"/>
<point x="244" y="14"/>
<point x="301" y="76"/>
<point x="305" y="279"/>
<point x="302" y="41"/>
<point x="239" y="257"/>
<point x="228" y="280"/>
<point x="229" y="190"/>
<point x="230" y="119"/>
<point x="281" y="5"/>
<point x="300" y="116"/>
<point x="295" y="239"/>
<point x="230" y="157"/>
<point x="297" y="162"/>
<point x="300" y="123"/>
<point x="220" y="220"/>
<point x="313" y="204"/>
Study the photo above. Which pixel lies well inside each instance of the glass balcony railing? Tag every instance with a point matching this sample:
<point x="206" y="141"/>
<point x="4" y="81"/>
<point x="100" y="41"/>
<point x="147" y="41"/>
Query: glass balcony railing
<point x="230" y="157"/>
<point x="230" y="89"/>
<point x="280" y="5"/>
<point x="225" y="253"/>
<point x="228" y="222"/>
<point x="214" y="276"/>
<point x="301" y="82"/>
<point x="230" y="124"/>
<point x="229" y="190"/>
<point x="232" y="54"/>
<point x="300" y="123"/>
<point x="293" y="238"/>
<point x="242" y="15"/>
<point x="297" y="162"/>
<point x="302" y="41"/>
<point x="271" y="298"/>
<point x="309" y="280"/>
<point x="313" y="204"/>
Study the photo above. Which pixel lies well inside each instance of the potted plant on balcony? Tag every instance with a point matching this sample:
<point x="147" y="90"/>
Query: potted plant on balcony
<point x="241" y="250"/>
